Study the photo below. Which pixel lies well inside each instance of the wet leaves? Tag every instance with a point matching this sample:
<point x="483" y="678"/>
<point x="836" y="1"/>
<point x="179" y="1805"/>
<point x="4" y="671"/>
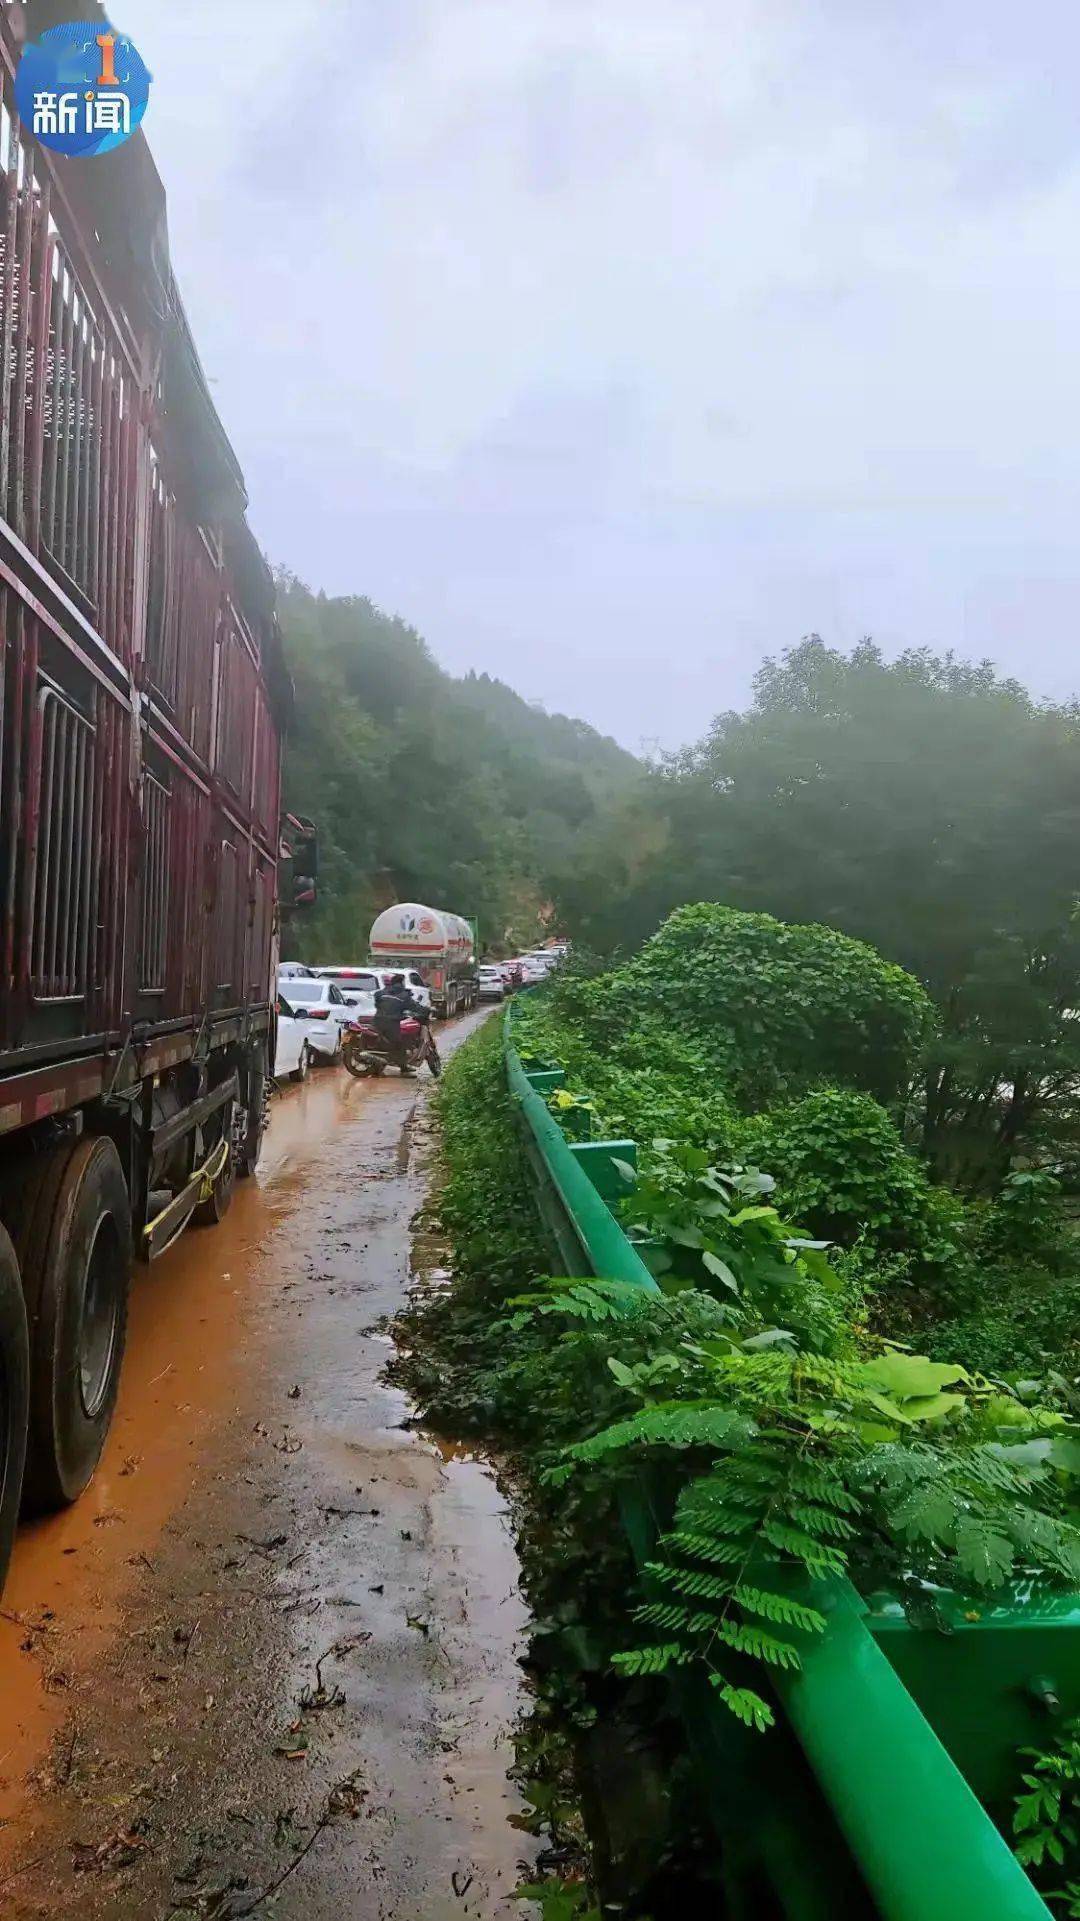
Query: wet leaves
<point x="294" y="1746"/>
<point x="120" y="1849"/>
<point x="348" y="1797"/>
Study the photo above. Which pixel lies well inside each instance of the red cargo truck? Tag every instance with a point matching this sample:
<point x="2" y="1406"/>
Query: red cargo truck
<point x="143" y="701"/>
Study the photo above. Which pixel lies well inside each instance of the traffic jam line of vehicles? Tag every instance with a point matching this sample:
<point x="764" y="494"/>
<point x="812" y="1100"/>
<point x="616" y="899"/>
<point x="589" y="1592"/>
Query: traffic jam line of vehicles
<point x="326" y="1013"/>
<point x="142" y="710"/>
<point x="144" y="701"/>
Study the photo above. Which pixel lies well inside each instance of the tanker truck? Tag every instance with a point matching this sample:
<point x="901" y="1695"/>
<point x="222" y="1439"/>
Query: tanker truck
<point x="438" y="944"/>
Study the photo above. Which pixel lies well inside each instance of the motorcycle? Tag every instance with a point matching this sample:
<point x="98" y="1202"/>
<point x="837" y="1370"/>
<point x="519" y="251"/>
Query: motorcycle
<point x="367" y="1052"/>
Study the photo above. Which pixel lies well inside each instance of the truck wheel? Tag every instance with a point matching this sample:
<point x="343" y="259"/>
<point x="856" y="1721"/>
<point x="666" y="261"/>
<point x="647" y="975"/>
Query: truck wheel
<point x="14" y="1373"/>
<point x="74" y="1246"/>
<point x="209" y="1212"/>
<point x="248" y="1147"/>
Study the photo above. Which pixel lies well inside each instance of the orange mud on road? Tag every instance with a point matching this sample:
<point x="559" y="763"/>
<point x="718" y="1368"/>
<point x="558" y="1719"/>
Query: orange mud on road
<point x="263" y="1504"/>
<point x="189" y="1315"/>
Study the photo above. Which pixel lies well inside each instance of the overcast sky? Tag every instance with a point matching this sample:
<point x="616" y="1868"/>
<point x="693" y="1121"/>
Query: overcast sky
<point x="617" y="343"/>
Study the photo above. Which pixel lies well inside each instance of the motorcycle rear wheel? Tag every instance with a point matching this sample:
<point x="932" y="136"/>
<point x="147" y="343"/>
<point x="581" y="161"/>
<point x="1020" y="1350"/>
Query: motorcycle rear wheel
<point x="360" y="1067"/>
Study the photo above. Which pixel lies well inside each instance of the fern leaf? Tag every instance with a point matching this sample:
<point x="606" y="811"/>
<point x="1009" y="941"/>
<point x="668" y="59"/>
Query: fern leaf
<point x="705" y="1547"/>
<point x="821" y="1482"/>
<point x="816" y="1555"/>
<point x="670" y="1424"/>
<point x="926" y="1513"/>
<point x="821" y="1521"/>
<point x="745" y="1705"/>
<point x="983" y="1553"/>
<point x="652" y="1660"/>
<point x="671" y="1618"/>
<point x="694" y="1582"/>
<point x="745" y="1638"/>
<point x="779" y="1608"/>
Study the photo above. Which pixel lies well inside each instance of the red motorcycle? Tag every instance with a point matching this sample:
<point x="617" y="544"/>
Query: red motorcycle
<point x="366" y="1050"/>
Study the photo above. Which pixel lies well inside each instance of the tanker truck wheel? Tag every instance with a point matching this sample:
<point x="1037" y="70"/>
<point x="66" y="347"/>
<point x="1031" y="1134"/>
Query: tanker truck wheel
<point x="14" y="1392"/>
<point x="72" y="1234"/>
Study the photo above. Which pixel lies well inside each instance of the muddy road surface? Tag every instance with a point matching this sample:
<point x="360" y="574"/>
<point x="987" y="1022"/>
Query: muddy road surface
<point x="268" y="1663"/>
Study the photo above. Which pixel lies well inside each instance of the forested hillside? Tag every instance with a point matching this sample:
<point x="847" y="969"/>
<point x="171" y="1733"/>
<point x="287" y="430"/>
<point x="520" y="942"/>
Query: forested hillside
<point x="427" y="787"/>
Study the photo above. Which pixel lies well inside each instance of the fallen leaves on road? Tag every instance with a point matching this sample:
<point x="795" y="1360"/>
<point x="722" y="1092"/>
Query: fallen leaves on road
<point x="120" y="1849"/>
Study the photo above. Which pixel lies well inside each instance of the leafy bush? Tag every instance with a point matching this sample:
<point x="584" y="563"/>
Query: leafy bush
<point x="1046" y="1817"/>
<point x="1023" y="1324"/>
<point x="828" y="1465"/>
<point x="1024" y="1223"/>
<point x="782" y="1007"/>
<point x="715" y="1228"/>
<point x="842" y="1167"/>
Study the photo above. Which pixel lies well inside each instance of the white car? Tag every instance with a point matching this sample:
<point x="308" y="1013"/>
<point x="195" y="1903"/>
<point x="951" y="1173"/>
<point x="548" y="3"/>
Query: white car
<point x="292" y="1055"/>
<point x="492" y="983"/>
<point x="414" y="981"/>
<point x="359" y="985"/>
<point x="327" y="1013"/>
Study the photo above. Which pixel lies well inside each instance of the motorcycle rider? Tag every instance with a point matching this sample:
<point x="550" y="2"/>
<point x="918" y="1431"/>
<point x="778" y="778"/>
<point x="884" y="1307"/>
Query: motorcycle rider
<point x="393" y="1004"/>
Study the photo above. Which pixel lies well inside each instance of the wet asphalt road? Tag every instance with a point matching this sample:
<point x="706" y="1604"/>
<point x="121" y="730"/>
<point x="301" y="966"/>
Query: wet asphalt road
<point x="276" y="1641"/>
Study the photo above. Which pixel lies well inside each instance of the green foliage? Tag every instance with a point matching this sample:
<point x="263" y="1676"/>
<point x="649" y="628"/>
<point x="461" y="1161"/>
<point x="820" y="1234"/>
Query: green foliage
<point x="715" y="1228"/>
<point x="425" y="787"/>
<point x="1024" y="1223"/>
<point x="1016" y="1322"/>
<point x="842" y="1167"/>
<point x="889" y="1466"/>
<point x="780" y="1006"/>
<point x="484" y="1203"/>
<point x="1046" y="1819"/>
<point x="801" y="1442"/>
<point x="923" y="804"/>
<point x="560" y="1900"/>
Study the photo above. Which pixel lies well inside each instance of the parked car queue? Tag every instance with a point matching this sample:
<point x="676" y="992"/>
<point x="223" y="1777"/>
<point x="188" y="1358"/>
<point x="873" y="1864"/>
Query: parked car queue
<point x="316" y="1004"/>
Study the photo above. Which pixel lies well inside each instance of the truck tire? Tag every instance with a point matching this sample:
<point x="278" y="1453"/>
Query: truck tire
<point x="14" y="1395"/>
<point x="209" y="1212"/>
<point x="73" y="1240"/>
<point x="248" y="1146"/>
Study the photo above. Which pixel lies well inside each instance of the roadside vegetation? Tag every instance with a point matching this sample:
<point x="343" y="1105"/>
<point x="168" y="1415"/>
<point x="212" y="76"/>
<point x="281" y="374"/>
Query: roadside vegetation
<point x="845" y="1369"/>
<point x="924" y="805"/>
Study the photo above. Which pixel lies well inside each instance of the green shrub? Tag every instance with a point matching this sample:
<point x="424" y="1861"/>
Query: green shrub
<point x="1025" y="1222"/>
<point x="842" y="1168"/>
<point x="777" y="1007"/>
<point x="1024" y="1324"/>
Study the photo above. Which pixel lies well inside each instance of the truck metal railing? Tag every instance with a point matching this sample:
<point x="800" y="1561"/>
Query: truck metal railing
<point x="920" y="1845"/>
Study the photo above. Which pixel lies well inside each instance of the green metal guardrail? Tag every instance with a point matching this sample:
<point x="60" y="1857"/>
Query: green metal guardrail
<point x="923" y="1845"/>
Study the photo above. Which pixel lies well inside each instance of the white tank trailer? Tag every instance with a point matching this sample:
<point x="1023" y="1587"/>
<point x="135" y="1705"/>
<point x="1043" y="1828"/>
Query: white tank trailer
<point x="438" y="944"/>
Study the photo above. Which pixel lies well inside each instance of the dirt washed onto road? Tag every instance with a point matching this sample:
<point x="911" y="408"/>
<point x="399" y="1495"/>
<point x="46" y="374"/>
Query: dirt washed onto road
<point x="268" y="1664"/>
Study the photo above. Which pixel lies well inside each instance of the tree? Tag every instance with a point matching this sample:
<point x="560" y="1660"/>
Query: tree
<point x="425" y="787"/>
<point x="926" y="806"/>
